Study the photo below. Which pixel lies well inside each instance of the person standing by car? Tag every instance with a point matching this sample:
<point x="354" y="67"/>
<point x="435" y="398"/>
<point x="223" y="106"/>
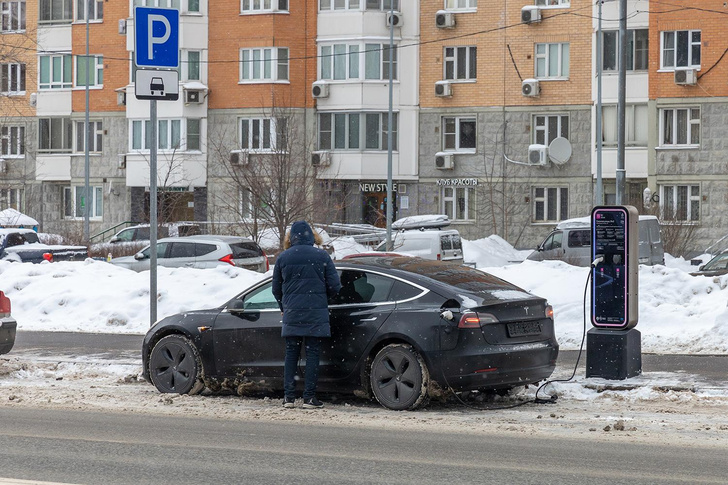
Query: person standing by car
<point x="304" y="278"/>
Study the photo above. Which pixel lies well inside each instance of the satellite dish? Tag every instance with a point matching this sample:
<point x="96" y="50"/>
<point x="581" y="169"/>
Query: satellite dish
<point x="560" y="151"/>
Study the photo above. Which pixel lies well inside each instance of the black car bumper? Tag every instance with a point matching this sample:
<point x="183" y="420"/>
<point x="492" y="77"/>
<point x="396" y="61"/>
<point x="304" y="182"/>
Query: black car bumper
<point x="8" y="327"/>
<point x="497" y="367"/>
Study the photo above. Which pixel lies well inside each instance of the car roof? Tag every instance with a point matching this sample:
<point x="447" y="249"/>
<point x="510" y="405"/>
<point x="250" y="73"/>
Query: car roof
<point x="226" y="239"/>
<point x="9" y="230"/>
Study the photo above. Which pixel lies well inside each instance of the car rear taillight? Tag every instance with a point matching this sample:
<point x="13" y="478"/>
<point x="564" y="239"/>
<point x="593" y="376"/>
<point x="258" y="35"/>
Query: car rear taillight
<point x="227" y="259"/>
<point x="48" y="257"/>
<point x="476" y="320"/>
<point x="550" y="312"/>
<point x="267" y="263"/>
<point x="4" y="304"/>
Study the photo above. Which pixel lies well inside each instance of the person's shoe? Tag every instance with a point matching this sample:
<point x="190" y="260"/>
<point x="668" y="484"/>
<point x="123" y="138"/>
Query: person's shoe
<point x="289" y="402"/>
<point x="312" y="403"/>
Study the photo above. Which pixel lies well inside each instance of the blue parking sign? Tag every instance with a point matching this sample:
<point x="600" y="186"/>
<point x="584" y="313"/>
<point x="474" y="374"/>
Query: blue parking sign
<point x="156" y="37"/>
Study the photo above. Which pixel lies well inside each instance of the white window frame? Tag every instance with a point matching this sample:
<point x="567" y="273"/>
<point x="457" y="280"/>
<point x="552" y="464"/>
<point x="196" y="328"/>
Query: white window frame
<point x="96" y="80"/>
<point x="363" y="137"/>
<point x="631" y="50"/>
<point x="12" y="73"/>
<point x="471" y="72"/>
<point x="12" y="141"/>
<point x="65" y="125"/>
<point x="543" y="54"/>
<point x="543" y="200"/>
<point x="459" y="122"/>
<point x="541" y="133"/>
<point x="357" y="60"/>
<point x="670" y="195"/>
<point x="96" y="135"/>
<point x="97" y="15"/>
<point x="672" y="63"/>
<point x="692" y="126"/>
<point x="158" y="3"/>
<point x="72" y="209"/>
<point x="66" y="16"/>
<point x="165" y="135"/>
<point x="553" y="3"/>
<point x="269" y="132"/>
<point x="66" y="60"/>
<point x="461" y="5"/>
<point x="449" y="205"/>
<point x="11" y="198"/>
<point x="263" y="6"/>
<point x="13" y="12"/>
<point x="268" y="68"/>
<point x="633" y="122"/>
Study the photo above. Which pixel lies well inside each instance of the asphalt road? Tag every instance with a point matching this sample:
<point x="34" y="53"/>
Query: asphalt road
<point x="111" y="448"/>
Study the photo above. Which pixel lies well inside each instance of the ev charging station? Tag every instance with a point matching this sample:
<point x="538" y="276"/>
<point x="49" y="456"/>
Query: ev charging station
<point x="613" y="346"/>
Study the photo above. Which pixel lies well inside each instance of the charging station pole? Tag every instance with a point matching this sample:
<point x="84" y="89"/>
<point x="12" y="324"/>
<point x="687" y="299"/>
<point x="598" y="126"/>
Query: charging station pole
<point x="613" y="346"/>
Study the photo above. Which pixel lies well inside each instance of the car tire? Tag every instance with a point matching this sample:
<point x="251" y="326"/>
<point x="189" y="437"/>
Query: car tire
<point x="399" y="377"/>
<point x="175" y="366"/>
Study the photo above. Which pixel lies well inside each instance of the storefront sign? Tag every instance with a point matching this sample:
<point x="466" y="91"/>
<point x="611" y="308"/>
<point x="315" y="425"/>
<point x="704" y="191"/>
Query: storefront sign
<point x="458" y="182"/>
<point x="374" y="187"/>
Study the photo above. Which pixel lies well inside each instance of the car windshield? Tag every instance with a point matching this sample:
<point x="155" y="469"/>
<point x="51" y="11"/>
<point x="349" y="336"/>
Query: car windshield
<point x="718" y="262"/>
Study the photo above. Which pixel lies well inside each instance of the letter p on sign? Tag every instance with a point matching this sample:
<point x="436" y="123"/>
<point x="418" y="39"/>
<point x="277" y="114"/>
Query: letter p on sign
<point x="156" y="37"/>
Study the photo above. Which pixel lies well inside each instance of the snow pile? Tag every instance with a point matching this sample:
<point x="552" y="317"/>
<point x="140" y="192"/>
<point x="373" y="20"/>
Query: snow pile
<point x="492" y="251"/>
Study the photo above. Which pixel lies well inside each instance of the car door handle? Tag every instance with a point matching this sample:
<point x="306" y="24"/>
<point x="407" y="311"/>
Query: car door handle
<point x="367" y="319"/>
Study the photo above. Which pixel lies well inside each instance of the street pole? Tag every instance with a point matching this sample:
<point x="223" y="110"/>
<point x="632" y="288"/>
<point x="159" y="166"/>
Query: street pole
<point x="87" y="162"/>
<point x="600" y="183"/>
<point x="620" y="175"/>
<point x="153" y="213"/>
<point x="390" y="206"/>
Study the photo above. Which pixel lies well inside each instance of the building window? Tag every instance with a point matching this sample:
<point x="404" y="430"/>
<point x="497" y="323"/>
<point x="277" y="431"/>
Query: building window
<point x="55" y="11"/>
<point x="356" y="131"/>
<point x="95" y="72"/>
<point x="344" y="61"/>
<point x="74" y="202"/>
<point x="95" y="9"/>
<point x="263" y="134"/>
<point x="172" y="135"/>
<point x="264" y="64"/>
<point x="459" y="134"/>
<point x="158" y="3"/>
<point x="12" y="78"/>
<point x="56" y="71"/>
<point x="637" y="50"/>
<point x="193" y="5"/>
<point x="95" y="136"/>
<point x="12" y="140"/>
<point x="680" y="126"/>
<point x="553" y="3"/>
<point x="381" y="4"/>
<point x="12" y="16"/>
<point x="461" y="63"/>
<point x="549" y="127"/>
<point x="458" y="203"/>
<point x="461" y="4"/>
<point x="680" y="203"/>
<point x="550" y="204"/>
<point x="55" y="135"/>
<point x="552" y="60"/>
<point x="193" y="65"/>
<point x="635" y="121"/>
<point x="11" y="199"/>
<point x="255" y="6"/>
<point x="680" y="48"/>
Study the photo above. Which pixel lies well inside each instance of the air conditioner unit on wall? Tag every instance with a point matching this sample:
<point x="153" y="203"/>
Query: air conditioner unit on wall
<point x="320" y="89"/>
<point x="239" y="157"/>
<point x="444" y="161"/>
<point x="33" y="100"/>
<point x="537" y="154"/>
<point x="121" y="98"/>
<point x="530" y="87"/>
<point x="443" y="88"/>
<point x="444" y="19"/>
<point x="321" y="159"/>
<point x="530" y="14"/>
<point x="686" y="76"/>
<point x="122" y="26"/>
<point x="395" y="19"/>
<point x="193" y="96"/>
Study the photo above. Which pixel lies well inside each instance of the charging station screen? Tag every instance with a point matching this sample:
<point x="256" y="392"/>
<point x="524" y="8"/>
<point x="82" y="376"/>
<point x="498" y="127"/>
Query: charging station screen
<point x="609" y="276"/>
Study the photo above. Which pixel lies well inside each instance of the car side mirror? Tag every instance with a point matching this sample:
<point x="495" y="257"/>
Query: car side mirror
<point x="236" y="305"/>
<point x="139" y="256"/>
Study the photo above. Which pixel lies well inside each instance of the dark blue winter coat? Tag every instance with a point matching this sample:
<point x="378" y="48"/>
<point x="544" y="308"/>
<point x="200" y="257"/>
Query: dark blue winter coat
<point x="304" y="277"/>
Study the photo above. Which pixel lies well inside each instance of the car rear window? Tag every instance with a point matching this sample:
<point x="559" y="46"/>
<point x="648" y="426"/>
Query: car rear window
<point x="203" y="249"/>
<point x="462" y="277"/>
<point x="246" y="249"/>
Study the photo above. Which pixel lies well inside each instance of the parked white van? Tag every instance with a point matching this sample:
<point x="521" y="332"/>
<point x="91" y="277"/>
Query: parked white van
<point x="571" y="242"/>
<point x="425" y="236"/>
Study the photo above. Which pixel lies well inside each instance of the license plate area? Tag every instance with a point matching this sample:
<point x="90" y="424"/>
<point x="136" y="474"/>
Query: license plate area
<point x="520" y="329"/>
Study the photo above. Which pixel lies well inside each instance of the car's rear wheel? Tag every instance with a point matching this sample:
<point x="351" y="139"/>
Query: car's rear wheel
<point x="175" y="366"/>
<point x="399" y="377"/>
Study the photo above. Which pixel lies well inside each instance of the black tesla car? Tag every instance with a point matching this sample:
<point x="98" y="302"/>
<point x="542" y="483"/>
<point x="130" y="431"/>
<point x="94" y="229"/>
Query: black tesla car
<point x="401" y="328"/>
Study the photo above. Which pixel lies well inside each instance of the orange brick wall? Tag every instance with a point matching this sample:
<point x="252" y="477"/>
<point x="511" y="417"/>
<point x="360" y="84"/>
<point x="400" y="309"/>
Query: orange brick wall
<point x="21" y="47"/>
<point x="492" y="31"/>
<point x="229" y="31"/>
<point x="711" y="20"/>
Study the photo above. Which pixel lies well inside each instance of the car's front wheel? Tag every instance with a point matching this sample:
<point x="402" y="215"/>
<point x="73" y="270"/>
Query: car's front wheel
<point x="175" y="366"/>
<point x="399" y="377"/>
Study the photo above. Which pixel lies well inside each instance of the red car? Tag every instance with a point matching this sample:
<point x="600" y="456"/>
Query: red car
<point x="7" y="325"/>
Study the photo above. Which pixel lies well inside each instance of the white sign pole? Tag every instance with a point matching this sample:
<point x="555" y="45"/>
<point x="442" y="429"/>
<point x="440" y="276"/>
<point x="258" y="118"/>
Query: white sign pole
<point x="153" y="214"/>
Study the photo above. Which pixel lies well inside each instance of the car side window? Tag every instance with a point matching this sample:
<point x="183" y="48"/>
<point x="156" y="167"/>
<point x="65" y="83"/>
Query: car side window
<point x="182" y="250"/>
<point x="142" y="233"/>
<point x="579" y="239"/>
<point x="553" y="241"/>
<point x="203" y="249"/>
<point x="362" y="287"/>
<point x="161" y="250"/>
<point x="403" y="291"/>
<point x="126" y="235"/>
<point x="260" y="299"/>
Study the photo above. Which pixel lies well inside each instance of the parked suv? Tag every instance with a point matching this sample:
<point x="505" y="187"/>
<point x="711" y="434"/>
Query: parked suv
<point x="200" y="252"/>
<point x="141" y="232"/>
<point x="571" y="242"/>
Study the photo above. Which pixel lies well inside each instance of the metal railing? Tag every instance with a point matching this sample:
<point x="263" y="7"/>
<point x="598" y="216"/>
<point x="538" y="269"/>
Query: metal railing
<point x="112" y="230"/>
